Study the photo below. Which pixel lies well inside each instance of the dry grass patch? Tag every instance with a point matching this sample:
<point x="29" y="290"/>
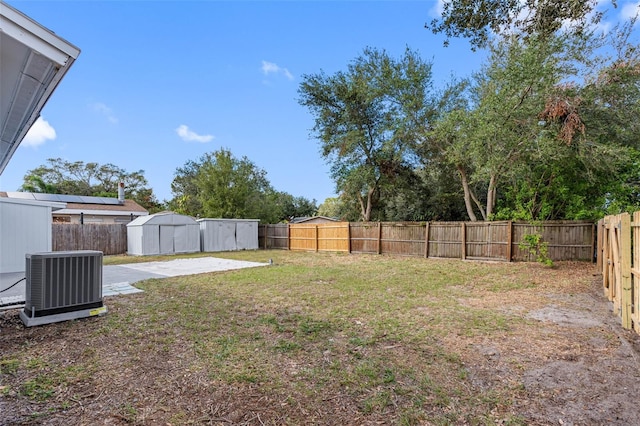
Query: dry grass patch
<point x="313" y="339"/>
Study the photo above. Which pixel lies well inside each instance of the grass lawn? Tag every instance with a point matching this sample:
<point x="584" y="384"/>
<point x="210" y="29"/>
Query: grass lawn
<point x="313" y="339"/>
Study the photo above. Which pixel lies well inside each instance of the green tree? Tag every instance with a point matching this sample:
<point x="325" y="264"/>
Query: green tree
<point x="233" y="188"/>
<point x="330" y="207"/>
<point x="91" y="179"/>
<point x="368" y="121"/>
<point x="35" y="183"/>
<point x="222" y="186"/>
<point x="290" y="207"/>
<point x="489" y="141"/>
<point x="186" y="198"/>
<point x="550" y="131"/>
<point x="476" y="20"/>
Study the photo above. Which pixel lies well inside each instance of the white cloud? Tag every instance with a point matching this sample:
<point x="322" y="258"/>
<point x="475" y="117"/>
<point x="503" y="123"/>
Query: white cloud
<point x="39" y="133"/>
<point x="630" y="10"/>
<point x="105" y="111"/>
<point x="437" y="9"/>
<point x="189" y="135"/>
<point x="270" y="67"/>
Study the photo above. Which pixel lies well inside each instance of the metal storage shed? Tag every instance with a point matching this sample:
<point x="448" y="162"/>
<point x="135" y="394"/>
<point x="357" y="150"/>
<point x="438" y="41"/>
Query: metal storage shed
<point x="163" y="233"/>
<point x="228" y="234"/>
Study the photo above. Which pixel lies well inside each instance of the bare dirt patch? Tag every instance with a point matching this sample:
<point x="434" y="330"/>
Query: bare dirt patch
<point x="571" y="363"/>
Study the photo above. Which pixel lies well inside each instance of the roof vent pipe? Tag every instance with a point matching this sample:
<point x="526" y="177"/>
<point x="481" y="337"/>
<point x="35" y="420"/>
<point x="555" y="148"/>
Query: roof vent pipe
<point x="121" y="193"/>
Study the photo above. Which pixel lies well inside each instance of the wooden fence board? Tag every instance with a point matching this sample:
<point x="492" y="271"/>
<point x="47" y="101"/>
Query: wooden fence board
<point x="635" y="271"/>
<point x="619" y="249"/>
<point x="444" y="240"/>
<point x="333" y="237"/>
<point x="364" y="237"/>
<point x="565" y="240"/>
<point x="274" y="236"/>
<point x="472" y="240"/>
<point x="319" y="236"/>
<point x="487" y="240"/>
<point x="626" y="298"/>
<point x="107" y="238"/>
<point x="404" y="239"/>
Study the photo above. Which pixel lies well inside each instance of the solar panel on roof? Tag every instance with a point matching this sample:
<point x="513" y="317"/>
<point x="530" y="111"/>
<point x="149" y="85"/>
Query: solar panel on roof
<point x="67" y="198"/>
<point x="110" y="201"/>
<point x="47" y="197"/>
<point x="85" y="199"/>
<point x="64" y="198"/>
<point x="88" y="200"/>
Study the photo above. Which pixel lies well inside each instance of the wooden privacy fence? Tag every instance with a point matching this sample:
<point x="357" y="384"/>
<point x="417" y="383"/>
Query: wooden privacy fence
<point x="619" y="261"/>
<point x="109" y="239"/>
<point x="462" y="240"/>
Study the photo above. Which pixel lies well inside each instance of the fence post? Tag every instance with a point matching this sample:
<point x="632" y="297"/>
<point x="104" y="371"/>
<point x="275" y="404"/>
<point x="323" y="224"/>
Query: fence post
<point x="379" y="238"/>
<point x="266" y="237"/>
<point x="349" y="237"/>
<point x="464" y="239"/>
<point x="593" y="243"/>
<point x="316" y="237"/>
<point x="599" y="245"/>
<point x="509" y="240"/>
<point x="426" y="241"/>
<point x="625" y="265"/>
<point x="288" y="236"/>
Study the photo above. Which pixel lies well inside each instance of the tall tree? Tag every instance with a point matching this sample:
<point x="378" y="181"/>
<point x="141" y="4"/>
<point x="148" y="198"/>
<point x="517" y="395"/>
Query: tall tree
<point x="91" y="179"/>
<point x="550" y="132"/>
<point x="368" y="120"/>
<point x="478" y="19"/>
<point x="233" y="188"/>
<point x="220" y="185"/>
<point x="290" y="207"/>
<point x="330" y="207"/>
<point x="184" y="187"/>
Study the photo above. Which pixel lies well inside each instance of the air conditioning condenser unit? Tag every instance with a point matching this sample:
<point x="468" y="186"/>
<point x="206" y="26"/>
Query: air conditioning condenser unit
<point x="61" y="286"/>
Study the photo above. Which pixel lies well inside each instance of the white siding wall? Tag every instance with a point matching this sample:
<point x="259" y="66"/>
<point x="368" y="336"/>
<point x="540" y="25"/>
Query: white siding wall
<point x="24" y="228"/>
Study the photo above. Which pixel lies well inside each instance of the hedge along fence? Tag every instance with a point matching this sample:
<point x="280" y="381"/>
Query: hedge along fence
<point x="566" y="240"/>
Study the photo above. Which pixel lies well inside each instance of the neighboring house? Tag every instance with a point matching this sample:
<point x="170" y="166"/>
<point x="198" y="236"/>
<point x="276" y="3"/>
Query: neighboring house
<point x="314" y="219"/>
<point x="82" y="209"/>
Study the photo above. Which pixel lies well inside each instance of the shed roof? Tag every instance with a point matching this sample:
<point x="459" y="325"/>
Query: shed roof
<point x="163" y="218"/>
<point x="211" y="219"/>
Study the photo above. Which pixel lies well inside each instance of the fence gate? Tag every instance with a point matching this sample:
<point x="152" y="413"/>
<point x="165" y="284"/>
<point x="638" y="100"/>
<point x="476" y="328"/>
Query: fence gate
<point x="615" y="248"/>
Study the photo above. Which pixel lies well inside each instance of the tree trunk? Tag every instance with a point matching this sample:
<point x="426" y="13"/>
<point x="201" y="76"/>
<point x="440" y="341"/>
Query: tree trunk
<point x="491" y="195"/>
<point x="479" y="205"/>
<point x="467" y="194"/>
<point x="365" y="206"/>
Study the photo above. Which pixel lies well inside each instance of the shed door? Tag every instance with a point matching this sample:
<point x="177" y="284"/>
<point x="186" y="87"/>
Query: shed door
<point x="226" y="235"/>
<point x="180" y="239"/>
<point x="247" y="235"/>
<point x="166" y="239"/>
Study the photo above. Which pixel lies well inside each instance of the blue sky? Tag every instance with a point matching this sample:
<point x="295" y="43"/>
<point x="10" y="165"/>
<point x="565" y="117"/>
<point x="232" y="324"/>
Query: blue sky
<point x="158" y="83"/>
